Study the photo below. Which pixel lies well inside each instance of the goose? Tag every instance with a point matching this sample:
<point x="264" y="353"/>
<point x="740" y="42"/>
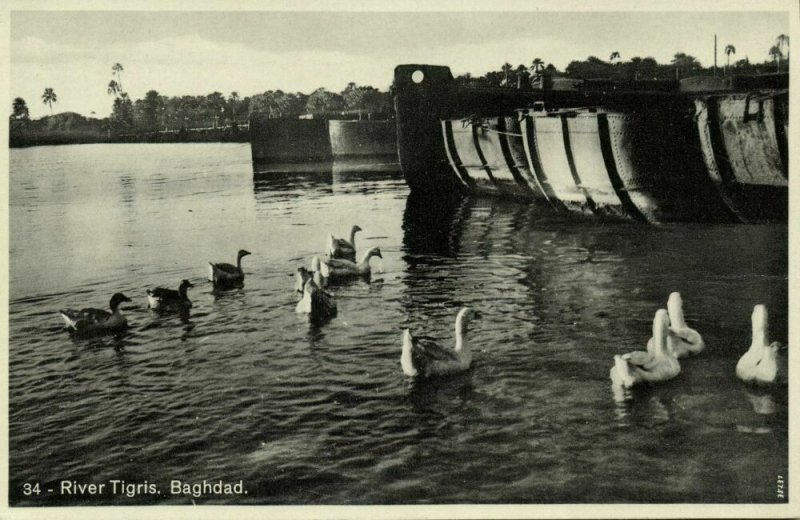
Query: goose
<point x="167" y="299"/>
<point x="341" y="248"/>
<point x="683" y="339"/>
<point x="763" y="362"/>
<point x="226" y="274"/>
<point x="303" y="275"/>
<point x="341" y="268"/>
<point x="316" y="302"/>
<point x="96" y="321"/>
<point x="423" y="357"/>
<point x="651" y="367"/>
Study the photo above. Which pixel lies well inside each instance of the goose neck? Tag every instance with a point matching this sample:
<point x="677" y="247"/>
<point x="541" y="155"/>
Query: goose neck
<point x="760" y="336"/>
<point x="462" y="345"/>
<point x="661" y="325"/>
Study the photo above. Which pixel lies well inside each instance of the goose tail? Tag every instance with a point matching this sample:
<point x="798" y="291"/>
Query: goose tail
<point x="71" y="319"/>
<point x="152" y="301"/>
<point x="331" y="244"/>
<point x="620" y="372"/>
<point x="324" y="268"/>
<point x="65" y="315"/>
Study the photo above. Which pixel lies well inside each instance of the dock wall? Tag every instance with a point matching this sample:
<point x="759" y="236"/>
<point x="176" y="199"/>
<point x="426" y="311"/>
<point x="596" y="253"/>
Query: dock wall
<point x="307" y="140"/>
<point x="362" y="138"/>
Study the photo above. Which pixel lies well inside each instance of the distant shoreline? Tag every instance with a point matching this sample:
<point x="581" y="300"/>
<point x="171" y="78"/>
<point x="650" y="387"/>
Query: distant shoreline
<point x="195" y="135"/>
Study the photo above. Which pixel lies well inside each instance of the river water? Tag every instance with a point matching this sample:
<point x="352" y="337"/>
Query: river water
<point x="245" y="389"/>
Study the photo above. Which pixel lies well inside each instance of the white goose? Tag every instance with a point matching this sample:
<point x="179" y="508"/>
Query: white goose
<point x="341" y="268"/>
<point x="341" y="248"/>
<point x="763" y="362"/>
<point x="648" y="367"/>
<point x="422" y="357"/>
<point x="683" y="339"/>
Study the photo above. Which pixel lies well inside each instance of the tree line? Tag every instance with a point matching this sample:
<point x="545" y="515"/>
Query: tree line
<point x="155" y="112"/>
<point x="636" y="68"/>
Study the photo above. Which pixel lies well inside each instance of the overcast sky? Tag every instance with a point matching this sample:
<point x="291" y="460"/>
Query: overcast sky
<point x="195" y="53"/>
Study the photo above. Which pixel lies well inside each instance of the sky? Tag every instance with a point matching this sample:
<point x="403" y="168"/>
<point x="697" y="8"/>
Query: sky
<point x="195" y="53"/>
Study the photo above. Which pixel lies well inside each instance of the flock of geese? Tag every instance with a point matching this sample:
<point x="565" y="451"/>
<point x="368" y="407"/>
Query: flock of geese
<point x="672" y="339"/>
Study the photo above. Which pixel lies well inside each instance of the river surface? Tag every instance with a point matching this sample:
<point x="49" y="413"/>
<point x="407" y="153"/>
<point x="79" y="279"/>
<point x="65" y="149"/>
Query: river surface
<point x="244" y="389"/>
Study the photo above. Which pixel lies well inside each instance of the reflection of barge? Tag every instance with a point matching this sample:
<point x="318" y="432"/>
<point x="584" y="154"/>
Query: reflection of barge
<point x="653" y="151"/>
<point x="304" y="140"/>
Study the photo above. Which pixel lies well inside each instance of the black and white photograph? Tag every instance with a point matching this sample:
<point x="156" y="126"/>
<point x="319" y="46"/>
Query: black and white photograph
<point x="398" y="260"/>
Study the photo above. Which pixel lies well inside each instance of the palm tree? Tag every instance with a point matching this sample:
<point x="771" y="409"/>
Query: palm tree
<point x="117" y="69"/>
<point x="783" y="43"/>
<point x="536" y="65"/>
<point x="234" y="98"/>
<point x="48" y="98"/>
<point x="729" y="49"/>
<point x="506" y="68"/>
<point x="114" y="88"/>
<point x="776" y="54"/>
<point x="521" y="72"/>
<point x="20" y="109"/>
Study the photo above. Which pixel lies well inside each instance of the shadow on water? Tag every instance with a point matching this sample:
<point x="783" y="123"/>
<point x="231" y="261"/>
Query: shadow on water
<point x="433" y="228"/>
<point x="317" y="179"/>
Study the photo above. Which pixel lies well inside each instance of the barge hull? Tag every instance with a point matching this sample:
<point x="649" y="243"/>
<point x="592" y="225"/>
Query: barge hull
<point x="652" y="156"/>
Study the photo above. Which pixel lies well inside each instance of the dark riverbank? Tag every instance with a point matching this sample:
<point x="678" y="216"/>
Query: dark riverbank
<point x="24" y="139"/>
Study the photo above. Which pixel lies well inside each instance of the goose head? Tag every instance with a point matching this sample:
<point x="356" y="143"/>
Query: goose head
<point x="116" y="300"/>
<point x="373" y="251"/>
<point x="186" y="284"/>
<point x="465" y="316"/>
<point x="675" y="309"/>
<point x="355" y="229"/>
<point x="241" y="253"/>
<point x="660" y="332"/>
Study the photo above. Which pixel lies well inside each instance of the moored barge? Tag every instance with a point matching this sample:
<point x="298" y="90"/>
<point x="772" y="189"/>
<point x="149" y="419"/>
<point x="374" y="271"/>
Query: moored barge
<point x="698" y="150"/>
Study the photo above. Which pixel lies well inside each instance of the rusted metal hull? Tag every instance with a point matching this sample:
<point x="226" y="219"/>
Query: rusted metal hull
<point x="739" y="137"/>
<point x="645" y="156"/>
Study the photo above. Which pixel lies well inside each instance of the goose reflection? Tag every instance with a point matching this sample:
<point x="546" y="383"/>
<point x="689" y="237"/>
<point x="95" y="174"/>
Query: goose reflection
<point x="442" y="395"/>
<point x="646" y="406"/>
